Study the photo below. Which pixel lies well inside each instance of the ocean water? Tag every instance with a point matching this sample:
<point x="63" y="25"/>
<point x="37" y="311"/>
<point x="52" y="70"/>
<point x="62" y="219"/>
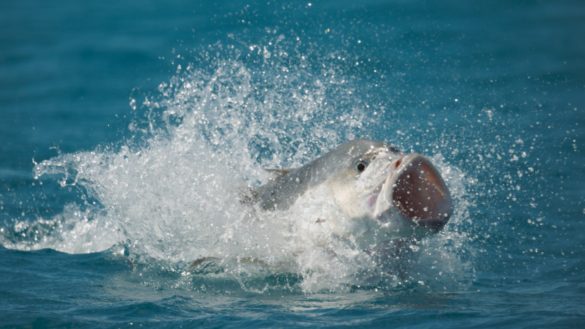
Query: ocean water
<point x="129" y="129"/>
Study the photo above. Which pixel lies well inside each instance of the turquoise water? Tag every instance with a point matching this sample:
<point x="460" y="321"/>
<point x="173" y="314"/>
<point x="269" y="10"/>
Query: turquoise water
<point x="128" y="130"/>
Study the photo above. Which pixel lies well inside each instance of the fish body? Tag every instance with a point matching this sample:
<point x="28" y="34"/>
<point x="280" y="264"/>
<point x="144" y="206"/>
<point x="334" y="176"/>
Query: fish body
<point x="369" y="180"/>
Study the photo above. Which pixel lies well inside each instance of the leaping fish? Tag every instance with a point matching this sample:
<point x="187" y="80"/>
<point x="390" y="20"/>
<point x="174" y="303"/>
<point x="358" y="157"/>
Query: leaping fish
<point x="370" y="182"/>
<point x="367" y="179"/>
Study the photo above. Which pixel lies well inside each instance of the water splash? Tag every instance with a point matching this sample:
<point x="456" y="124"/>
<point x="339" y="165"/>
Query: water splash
<point x="171" y="193"/>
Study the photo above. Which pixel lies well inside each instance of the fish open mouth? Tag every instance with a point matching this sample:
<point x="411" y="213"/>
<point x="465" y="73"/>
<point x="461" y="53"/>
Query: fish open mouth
<point x="419" y="192"/>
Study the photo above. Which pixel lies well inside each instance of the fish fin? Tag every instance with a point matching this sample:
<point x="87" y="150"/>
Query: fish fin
<point x="277" y="172"/>
<point x="250" y="195"/>
<point x="206" y="265"/>
<point x="203" y="260"/>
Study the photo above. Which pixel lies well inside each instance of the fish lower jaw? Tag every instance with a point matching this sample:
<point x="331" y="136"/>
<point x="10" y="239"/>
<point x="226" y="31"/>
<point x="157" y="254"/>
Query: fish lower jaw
<point x="383" y="204"/>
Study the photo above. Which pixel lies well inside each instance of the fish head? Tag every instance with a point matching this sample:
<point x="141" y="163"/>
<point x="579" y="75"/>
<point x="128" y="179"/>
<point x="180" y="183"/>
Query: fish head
<point x="385" y="184"/>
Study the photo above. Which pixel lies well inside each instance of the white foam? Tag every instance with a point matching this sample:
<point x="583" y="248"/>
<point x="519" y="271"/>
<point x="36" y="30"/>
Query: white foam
<point x="173" y="194"/>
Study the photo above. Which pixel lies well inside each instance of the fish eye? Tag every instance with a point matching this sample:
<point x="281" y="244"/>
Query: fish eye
<point x="361" y="166"/>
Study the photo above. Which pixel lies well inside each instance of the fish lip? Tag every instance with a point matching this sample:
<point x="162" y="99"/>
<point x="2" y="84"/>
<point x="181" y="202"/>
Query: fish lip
<point x="417" y="190"/>
<point x="374" y="196"/>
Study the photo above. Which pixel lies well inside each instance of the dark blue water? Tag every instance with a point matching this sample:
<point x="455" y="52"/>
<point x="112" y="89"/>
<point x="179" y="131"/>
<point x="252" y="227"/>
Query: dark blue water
<point x="117" y="97"/>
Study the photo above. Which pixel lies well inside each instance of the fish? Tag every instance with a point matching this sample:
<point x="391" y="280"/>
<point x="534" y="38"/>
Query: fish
<point x="369" y="180"/>
<point x="387" y="199"/>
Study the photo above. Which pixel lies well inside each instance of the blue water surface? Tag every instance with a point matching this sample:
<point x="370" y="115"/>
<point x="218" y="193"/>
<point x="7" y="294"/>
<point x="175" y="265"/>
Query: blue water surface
<point x="496" y="88"/>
